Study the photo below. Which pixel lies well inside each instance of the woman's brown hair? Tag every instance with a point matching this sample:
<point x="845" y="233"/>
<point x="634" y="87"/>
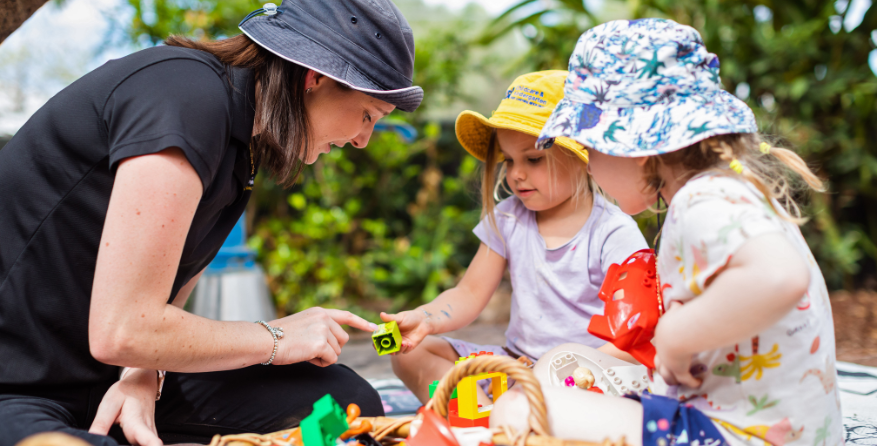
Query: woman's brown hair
<point x="281" y="119"/>
<point x="767" y="168"/>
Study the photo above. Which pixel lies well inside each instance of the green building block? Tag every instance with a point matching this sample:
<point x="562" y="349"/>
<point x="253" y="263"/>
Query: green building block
<point x="387" y="338"/>
<point x="323" y="426"/>
<point x="434" y="386"/>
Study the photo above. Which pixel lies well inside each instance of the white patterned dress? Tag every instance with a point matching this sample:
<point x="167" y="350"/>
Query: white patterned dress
<point x="778" y="387"/>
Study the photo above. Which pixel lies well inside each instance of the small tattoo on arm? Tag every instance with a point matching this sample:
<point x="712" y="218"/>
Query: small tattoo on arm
<point x="446" y="314"/>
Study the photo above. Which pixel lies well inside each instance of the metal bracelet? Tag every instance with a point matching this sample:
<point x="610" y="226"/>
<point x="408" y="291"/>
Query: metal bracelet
<point x="276" y="333"/>
<point x="161" y="375"/>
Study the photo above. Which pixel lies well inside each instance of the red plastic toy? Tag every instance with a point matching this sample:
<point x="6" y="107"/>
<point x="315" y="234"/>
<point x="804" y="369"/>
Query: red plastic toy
<point x="632" y="293"/>
<point x="455" y="420"/>
<point x="435" y="431"/>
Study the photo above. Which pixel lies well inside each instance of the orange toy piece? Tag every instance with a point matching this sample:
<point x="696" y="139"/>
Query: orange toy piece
<point x="364" y="427"/>
<point x="632" y="294"/>
<point x="353" y="412"/>
<point x="434" y="431"/>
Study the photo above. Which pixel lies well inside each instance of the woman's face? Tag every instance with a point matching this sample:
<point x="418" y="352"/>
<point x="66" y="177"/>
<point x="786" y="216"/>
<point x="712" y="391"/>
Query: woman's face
<point x="339" y="115"/>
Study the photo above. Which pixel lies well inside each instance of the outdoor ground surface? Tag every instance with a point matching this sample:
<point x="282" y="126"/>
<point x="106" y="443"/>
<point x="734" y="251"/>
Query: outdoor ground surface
<point x="855" y="322"/>
<point x="855" y="326"/>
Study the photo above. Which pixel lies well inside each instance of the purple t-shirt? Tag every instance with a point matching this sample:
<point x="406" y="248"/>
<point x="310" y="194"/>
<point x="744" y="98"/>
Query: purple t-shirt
<point x="554" y="291"/>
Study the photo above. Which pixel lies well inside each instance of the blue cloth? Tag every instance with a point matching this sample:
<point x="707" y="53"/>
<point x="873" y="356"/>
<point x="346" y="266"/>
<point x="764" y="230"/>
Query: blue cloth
<point x="669" y="422"/>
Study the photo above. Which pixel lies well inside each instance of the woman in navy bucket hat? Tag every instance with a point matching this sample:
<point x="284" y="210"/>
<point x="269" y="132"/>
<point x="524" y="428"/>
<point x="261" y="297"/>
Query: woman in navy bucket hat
<point x="119" y="191"/>
<point x="745" y="350"/>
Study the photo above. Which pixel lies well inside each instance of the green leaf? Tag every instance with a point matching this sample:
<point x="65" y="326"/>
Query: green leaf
<point x="297" y="201"/>
<point x="798" y="88"/>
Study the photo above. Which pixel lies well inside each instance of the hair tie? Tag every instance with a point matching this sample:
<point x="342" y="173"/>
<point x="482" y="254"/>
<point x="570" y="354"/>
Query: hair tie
<point x="764" y="148"/>
<point x="737" y="166"/>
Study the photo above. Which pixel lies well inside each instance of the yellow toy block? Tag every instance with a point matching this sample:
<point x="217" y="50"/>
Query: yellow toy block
<point x="387" y="338"/>
<point x="467" y="399"/>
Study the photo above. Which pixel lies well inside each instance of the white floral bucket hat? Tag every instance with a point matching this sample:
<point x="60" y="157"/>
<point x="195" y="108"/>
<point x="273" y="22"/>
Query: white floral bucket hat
<point x="644" y="87"/>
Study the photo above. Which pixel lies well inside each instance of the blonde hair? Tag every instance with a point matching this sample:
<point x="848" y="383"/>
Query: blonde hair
<point x="747" y="155"/>
<point x="493" y="179"/>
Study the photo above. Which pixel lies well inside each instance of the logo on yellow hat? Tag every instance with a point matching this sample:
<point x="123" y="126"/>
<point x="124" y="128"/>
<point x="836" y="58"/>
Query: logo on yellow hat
<point x="526" y="107"/>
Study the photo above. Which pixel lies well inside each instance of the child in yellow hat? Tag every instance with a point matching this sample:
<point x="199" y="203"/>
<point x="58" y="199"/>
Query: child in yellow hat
<point x="555" y="236"/>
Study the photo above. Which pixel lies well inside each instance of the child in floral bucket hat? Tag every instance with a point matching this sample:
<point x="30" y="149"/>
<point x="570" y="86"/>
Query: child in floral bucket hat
<point x="554" y="235"/>
<point x="750" y="356"/>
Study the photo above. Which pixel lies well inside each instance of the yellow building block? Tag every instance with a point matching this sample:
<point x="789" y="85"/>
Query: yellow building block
<point x="467" y="399"/>
<point x="387" y="338"/>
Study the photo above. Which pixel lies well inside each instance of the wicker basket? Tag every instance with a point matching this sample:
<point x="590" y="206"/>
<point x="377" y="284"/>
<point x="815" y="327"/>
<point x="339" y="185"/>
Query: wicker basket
<point x="523" y="376"/>
<point x="388" y="429"/>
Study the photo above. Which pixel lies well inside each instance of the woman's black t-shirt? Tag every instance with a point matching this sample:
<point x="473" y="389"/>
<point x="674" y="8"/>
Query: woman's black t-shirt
<point x="56" y="175"/>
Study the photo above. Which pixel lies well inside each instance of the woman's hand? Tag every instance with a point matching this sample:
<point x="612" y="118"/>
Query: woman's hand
<point x="314" y="335"/>
<point x="414" y="325"/>
<point x="130" y="403"/>
<point x="672" y="364"/>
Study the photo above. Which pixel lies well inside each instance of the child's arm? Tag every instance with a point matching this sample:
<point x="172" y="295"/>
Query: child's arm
<point x="763" y="281"/>
<point x="455" y="308"/>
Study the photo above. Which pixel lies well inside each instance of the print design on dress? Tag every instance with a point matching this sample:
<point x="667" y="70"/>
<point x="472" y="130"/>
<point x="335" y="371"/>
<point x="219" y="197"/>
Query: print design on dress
<point x="732" y="368"/>
<point x="741" y="368"/>
<point x="759" y="404"/>
<point x="777" y="435"/>
<point x="826" y="377"/>
<point x="701" y="262"/>
<point x="804" y="303"/>
<point x="824" y="432"/>
<point x="758" y="362"/>
<point x="703" y="403"/>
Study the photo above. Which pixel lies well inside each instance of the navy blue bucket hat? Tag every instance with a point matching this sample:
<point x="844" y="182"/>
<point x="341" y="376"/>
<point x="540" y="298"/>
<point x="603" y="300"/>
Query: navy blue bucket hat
<point x="364" y="44"/>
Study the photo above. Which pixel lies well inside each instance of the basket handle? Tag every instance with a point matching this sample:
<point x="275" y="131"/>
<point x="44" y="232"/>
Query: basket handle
<point x="538" y="418"/>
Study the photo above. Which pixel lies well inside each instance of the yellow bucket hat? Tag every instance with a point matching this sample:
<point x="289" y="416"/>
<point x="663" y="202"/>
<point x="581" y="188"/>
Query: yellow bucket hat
<point x="528" y="103"/>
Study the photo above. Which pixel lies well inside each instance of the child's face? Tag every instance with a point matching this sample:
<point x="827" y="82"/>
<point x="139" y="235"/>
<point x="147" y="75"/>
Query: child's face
<point x="622" y="179"/>
<point x="527" y="172"/>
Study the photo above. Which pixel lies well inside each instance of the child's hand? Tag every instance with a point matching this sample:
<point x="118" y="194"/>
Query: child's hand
<point x="413" y="325"/>
<point x="673" y="365"/>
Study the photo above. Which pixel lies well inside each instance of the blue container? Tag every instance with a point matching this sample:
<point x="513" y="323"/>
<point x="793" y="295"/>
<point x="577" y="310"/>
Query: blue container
<point x="234" y="255"/>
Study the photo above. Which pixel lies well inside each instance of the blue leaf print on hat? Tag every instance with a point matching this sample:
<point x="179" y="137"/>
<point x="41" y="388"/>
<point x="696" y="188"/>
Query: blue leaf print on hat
<point x="652" y="65"/>
<point x="589" y="117"/>
<point x="609" y="134"/>
<point x="714" y="63"/>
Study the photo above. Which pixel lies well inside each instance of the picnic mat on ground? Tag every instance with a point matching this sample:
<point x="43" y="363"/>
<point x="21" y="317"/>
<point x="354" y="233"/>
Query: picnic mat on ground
<point x="398" y="401"/>
<point x="858" y="399"/>
<point x="857" y="384"/>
